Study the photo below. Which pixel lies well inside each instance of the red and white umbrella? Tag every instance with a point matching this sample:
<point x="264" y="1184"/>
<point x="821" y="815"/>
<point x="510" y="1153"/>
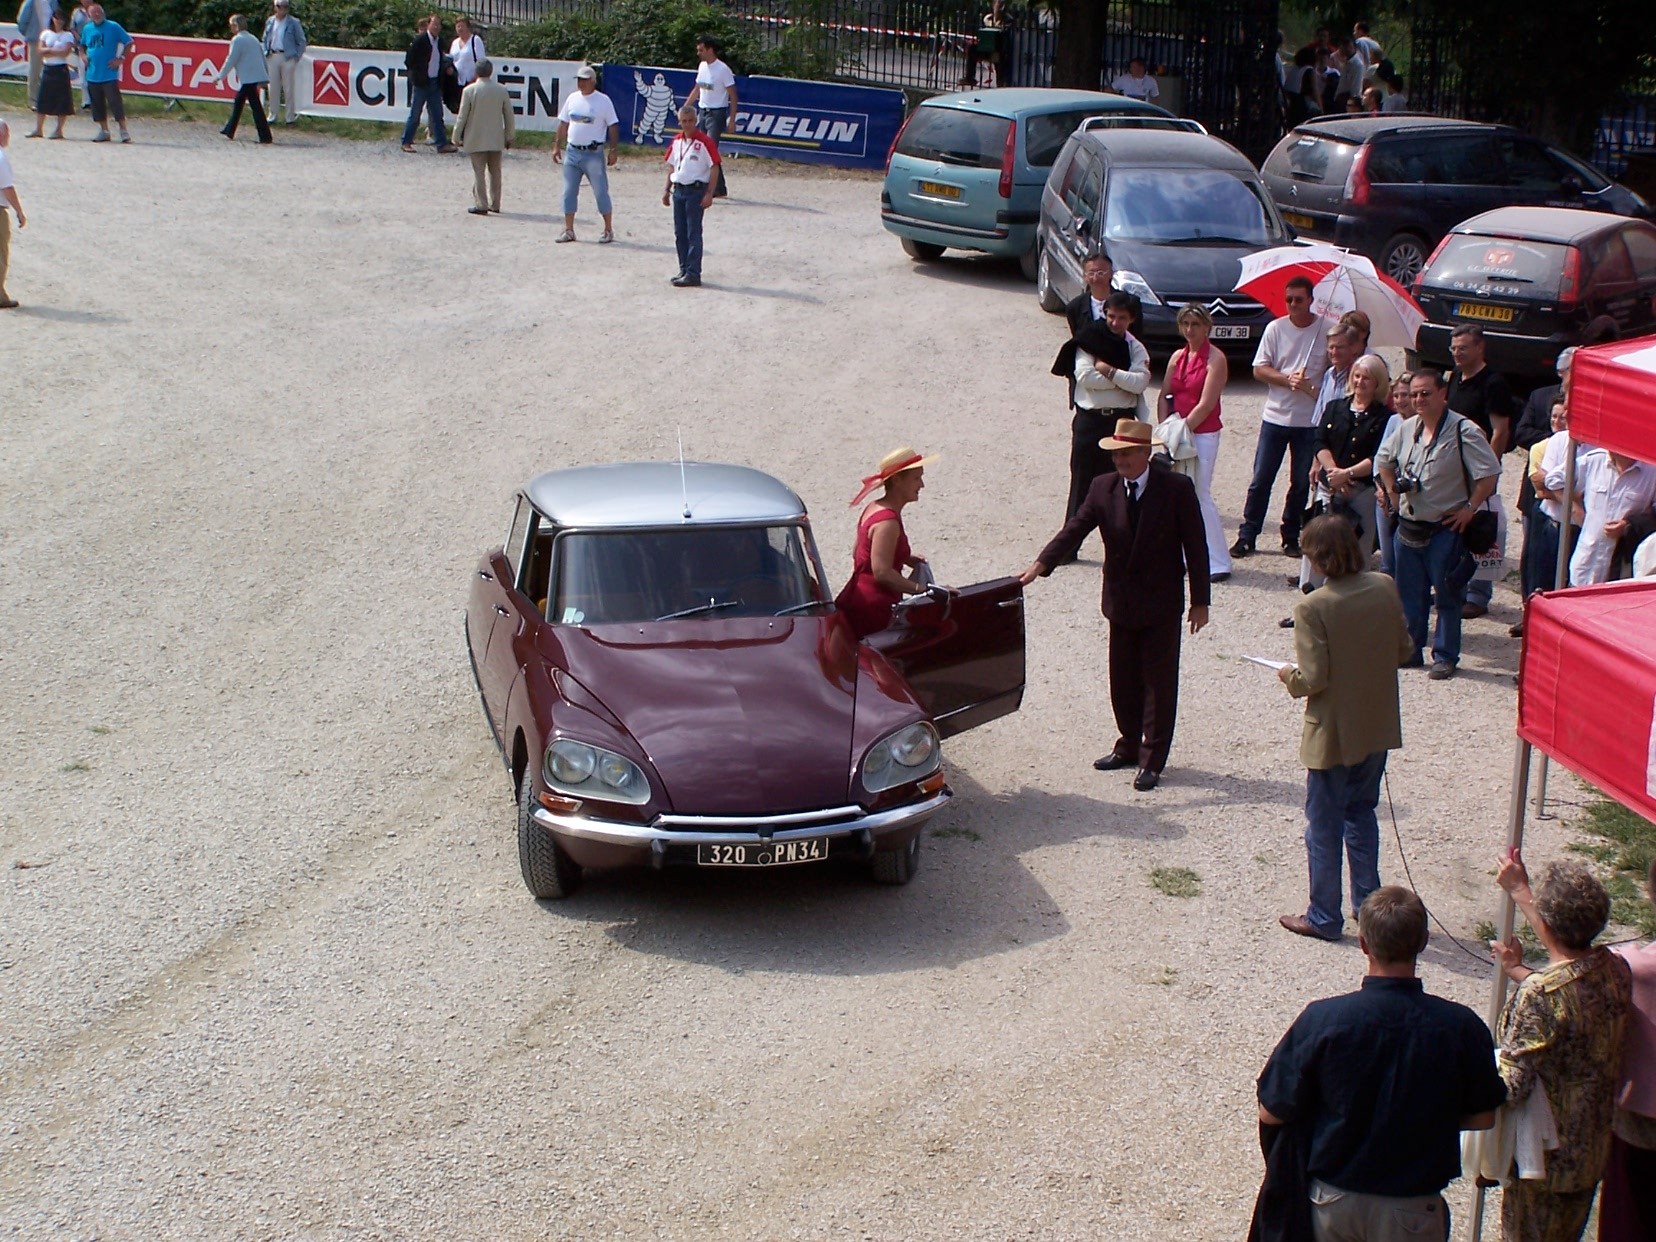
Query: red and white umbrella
<point x="1340" y="282"/>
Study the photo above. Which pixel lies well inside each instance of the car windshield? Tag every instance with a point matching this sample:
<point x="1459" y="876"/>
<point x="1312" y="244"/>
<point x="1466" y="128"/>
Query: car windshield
<point x="1469" y="263"/>
<point x="1185" y="205"/>
<point x="955" y="136"/>
<point x="605" y="577"/>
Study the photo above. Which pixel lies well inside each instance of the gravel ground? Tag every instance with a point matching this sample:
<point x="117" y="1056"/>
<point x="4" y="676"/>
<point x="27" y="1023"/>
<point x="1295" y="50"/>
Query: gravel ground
<point x="267" y="968"/>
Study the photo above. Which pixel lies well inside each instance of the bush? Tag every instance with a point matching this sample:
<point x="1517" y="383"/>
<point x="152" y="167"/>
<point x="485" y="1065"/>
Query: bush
<point x="631" y="32"/>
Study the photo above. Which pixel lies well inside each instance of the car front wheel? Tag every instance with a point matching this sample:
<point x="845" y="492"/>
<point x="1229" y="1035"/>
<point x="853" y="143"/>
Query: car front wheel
<point x="1048" y="296"/>
<point x="1402" y="258"/>
<point x="898" y="866"/>
<point x="922" y="252"/>
<point x="547" y="870"/>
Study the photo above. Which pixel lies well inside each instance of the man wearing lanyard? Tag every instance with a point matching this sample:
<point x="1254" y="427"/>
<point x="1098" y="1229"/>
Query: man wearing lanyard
<point x="691" y="159"/>
<point x="587" y="145"/>
<point x="714" y="98"/>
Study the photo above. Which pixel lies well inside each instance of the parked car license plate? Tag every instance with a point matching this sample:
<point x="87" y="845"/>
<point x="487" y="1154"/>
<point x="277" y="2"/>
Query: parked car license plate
<point x="773" y="854"/>
<point x="1298" y="221"/>
<point x="1477" y="310"/>
<point x="938" y="190"/>
<point x="1234" y="332"/>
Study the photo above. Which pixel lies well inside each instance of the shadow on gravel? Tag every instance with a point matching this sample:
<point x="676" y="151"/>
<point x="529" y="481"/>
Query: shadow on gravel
<point x="58" y="314"/>
<point x="754" y="291"/>
<point x="980" y="271"/>
<point x="721" y="204"/>
<point x="1441" y="954"/>
<point x="973" y="896"/>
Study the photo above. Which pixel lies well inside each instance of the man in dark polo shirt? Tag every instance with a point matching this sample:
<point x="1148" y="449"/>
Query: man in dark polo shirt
<point x="1480" y="393"/>
<point x="1384" y="1079"/>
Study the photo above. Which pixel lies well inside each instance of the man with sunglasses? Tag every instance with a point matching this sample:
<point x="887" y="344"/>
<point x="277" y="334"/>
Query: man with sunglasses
<point x="1291" y="359"/>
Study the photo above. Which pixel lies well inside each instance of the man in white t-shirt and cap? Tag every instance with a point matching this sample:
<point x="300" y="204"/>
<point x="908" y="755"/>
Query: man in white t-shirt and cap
<point x="714" y="98"/>
<point x="1290" y="361"/>
<point x="1137" y="83"/>
<point x="587" y="145"/>
<point x="8" y="198"/>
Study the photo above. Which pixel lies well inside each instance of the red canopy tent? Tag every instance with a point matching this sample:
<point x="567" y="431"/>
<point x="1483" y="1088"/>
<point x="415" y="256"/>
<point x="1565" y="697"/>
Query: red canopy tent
<point x="1612" y="396"/>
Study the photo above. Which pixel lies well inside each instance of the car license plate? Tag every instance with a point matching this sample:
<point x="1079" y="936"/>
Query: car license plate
<point x="1298" y="221"/>
<point x="938" y="190"/>
<point x="772" y="854"/>
<point x="1232" y="333"/>
<point x="1489" y="314"/>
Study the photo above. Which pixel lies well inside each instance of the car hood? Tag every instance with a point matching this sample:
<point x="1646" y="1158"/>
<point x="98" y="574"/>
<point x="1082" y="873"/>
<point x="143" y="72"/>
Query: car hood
<point x="738" y="716"/>
<point x="1183" y="270"/>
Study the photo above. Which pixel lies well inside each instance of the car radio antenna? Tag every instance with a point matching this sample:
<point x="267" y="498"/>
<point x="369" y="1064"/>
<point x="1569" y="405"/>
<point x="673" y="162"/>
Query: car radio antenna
<point x="684" y="485"/>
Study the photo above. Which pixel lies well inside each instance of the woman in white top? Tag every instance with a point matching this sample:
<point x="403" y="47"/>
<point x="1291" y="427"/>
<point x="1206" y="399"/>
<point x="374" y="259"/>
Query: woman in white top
<point x="58" y="48"/>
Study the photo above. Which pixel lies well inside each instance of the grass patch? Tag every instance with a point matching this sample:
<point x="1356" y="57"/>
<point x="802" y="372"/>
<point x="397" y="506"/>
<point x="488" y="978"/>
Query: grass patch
<point x="101" y="730"/>
<point x="77" y="766"/>
<point x="1527" y="939"/>
<point x="1623" y="843"/>
<point x="1176" y="881"/>
<point x="1165" y="978"/>
<point x="964" y="834"/>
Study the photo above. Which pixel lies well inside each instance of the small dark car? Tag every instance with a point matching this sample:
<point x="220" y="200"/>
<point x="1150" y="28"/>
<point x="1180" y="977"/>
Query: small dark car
<point x="668" y="681"/>
<point x="1177" y="212"/>
<point x="1390" y="187"/>
<point x="1536" y="279"/>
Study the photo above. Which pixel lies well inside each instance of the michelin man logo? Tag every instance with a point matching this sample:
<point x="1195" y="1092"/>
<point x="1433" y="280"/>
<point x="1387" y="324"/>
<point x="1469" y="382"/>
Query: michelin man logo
<point x="659" y="112"/>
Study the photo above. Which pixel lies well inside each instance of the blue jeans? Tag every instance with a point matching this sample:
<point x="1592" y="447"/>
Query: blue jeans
<point x="1480" y="591"/>
<point x="1300" y="443"/>
<point x="1540" y="551"/>
<point x="588" y="164"/>
<point x="1442" y="568"/>
<point x="1339" y="807"/>
<point x="687" y="226"/>
<point x="1383" y="524"/>
<point x="430" y="98"/>
<point x="712" y="122"/>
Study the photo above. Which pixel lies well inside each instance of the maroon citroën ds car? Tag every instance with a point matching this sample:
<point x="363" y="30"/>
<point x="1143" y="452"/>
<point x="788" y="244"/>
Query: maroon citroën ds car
<point x="668" y="681"/>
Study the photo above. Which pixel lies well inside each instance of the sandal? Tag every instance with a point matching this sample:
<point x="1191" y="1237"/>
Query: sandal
<point x="36" y="134"/>
<point x="59" y="137"/>
<point x="567" y="235"/>
<point x="606" y="237"/>
<point x="408" y="148"/>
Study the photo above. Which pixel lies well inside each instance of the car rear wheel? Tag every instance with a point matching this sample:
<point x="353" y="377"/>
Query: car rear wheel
<point x="898" y="866"/>
<point x="1048" y="296"/>
<point x="922" y="252"/>
<point x="1028" y="263"/>
<point x="547" y="870"/>
<point x="1402" y="257"/>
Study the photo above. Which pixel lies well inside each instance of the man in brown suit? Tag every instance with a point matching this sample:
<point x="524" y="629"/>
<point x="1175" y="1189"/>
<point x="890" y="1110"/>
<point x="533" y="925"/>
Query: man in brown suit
<point x="1153" y="537"/>
<point x="486" y="128"/>
<point x="1350" y="638"/>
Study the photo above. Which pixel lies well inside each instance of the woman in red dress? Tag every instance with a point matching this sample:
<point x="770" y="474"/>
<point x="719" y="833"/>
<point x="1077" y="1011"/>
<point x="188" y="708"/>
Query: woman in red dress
<point x="877" y="582"/>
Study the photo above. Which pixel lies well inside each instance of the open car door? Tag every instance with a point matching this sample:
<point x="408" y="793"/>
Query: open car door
<point x="962" y="656"/>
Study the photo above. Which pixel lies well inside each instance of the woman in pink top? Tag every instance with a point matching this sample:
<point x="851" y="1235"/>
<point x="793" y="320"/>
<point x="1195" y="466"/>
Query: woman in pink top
<point x="1196" y="376"/>
<point x="1627" y="1201"/>
<point x="877" y="582"/>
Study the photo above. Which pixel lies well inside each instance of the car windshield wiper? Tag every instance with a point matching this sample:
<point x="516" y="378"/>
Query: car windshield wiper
<point x="810" y="603"/>
<point x="1210" y="241"/>
<point x="710" y="606"/>
<point x="966" y="159"/>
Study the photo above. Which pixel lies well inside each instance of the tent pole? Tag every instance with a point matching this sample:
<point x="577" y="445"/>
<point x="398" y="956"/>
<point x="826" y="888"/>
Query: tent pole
<point x="1561" y="579"/>
<point x="1508" y="918"/>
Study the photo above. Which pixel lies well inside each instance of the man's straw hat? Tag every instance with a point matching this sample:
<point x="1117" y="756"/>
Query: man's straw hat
<point x="1129" y="433"/>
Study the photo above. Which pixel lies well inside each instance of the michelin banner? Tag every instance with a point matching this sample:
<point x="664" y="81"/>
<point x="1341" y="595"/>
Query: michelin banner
<point x="786" y="119"/>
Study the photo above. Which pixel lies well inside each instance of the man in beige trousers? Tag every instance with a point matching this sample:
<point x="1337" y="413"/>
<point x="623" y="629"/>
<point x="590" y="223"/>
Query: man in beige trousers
<point x="1349" y="641"/>
<point x="486" y="128"/>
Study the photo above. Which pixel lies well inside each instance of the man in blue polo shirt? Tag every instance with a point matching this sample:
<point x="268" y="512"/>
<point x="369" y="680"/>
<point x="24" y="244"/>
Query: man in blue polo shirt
<point x="1382" y="1081"/>
<point x="105" y="43"/>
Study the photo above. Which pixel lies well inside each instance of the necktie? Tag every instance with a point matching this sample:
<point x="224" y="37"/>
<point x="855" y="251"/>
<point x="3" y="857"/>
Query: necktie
<point x="1133" y="504"/>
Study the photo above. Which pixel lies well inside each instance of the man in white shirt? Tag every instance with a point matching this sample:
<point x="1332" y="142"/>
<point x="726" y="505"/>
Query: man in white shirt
<point x="466" y="50"/>
<point x="1349" y="61"/>
<point x="1137" y="83"/>
<point x="714" y="98"/>
<point x="692" y="158"/>
<point x="8" y="198"/>
<point x="587" y="145"/>
<point x="1291" y="359"/>
<point x="1365" y="44"/>
<point x="1613" y="488"/>
<point x="284" y="45"/>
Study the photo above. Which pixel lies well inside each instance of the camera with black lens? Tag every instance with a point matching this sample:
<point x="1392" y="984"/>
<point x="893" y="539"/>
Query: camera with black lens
<point x="1407" y="483"/>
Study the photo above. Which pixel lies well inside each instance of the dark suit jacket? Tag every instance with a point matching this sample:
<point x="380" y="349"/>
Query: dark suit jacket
<point x="418" y="60"/>
<point x="1533" y="425"/>
<point x="1079" y="312"/>
<point x="1144" y="572"/>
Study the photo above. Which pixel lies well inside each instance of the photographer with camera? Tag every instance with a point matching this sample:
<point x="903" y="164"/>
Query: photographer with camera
<point x="1437" y="471"/>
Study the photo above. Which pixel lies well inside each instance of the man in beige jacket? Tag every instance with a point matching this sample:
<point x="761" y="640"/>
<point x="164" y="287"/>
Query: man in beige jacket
<point x="486" y="128"/>
<point x="1349" y="641"/>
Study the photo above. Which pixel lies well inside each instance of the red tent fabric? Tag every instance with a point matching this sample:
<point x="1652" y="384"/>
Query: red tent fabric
<point x="1612" y="393"/>
<point x="1587" y="687"/>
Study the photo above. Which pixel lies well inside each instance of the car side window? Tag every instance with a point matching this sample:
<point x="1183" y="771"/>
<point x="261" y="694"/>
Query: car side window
<point x="1076" y="174"/>
<point x="1401" y="161"/>
<point x="1529" y="167"/>
<point x="515" y="533"/>
<point x="537" y="570"/>
<point x="1465" y="159"/>
<point x="1061" y="167"/>
<point x="1641" y="248"/>
<point x="1612" y="267"/>
<point x="1045" y="135"/>
<point x="1090" y="192"/>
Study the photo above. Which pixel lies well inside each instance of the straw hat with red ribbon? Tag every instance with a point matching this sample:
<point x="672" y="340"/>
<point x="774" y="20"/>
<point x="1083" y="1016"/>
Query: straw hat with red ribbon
<point x="891" y="465"/>
<point x="1129" y="434"/>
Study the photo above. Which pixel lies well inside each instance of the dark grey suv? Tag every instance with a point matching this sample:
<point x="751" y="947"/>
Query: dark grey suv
<point x="1391" y="187"/>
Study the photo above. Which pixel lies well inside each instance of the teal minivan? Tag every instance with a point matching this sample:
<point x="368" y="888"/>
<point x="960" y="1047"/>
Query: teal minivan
<point x="967" y="169"/>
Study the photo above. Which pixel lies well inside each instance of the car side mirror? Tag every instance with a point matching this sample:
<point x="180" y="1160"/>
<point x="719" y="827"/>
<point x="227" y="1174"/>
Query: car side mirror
<point x="1572" y="183"/>
<point x="1078" y="226"/>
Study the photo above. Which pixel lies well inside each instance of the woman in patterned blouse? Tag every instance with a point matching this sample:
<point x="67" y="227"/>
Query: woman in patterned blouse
<point x="1562" y="1030"/>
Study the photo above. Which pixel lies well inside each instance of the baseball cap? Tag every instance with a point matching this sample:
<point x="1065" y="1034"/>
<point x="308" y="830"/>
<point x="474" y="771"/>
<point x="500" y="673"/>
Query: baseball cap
<point x="586" y="73"/>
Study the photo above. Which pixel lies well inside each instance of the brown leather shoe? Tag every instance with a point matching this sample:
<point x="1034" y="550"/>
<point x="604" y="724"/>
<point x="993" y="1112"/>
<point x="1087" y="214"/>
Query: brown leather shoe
<point x="1302" y="926"/>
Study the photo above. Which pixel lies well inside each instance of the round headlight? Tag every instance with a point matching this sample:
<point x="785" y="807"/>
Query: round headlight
<point x="914" y="746"/>
<point x="570" y="762"/>
<point x="876" y="765"/>
<point x="616" y="772"/>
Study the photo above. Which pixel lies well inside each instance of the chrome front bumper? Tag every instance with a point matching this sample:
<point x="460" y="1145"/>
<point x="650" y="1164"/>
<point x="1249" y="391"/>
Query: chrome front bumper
<point x="745" y="830"/>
